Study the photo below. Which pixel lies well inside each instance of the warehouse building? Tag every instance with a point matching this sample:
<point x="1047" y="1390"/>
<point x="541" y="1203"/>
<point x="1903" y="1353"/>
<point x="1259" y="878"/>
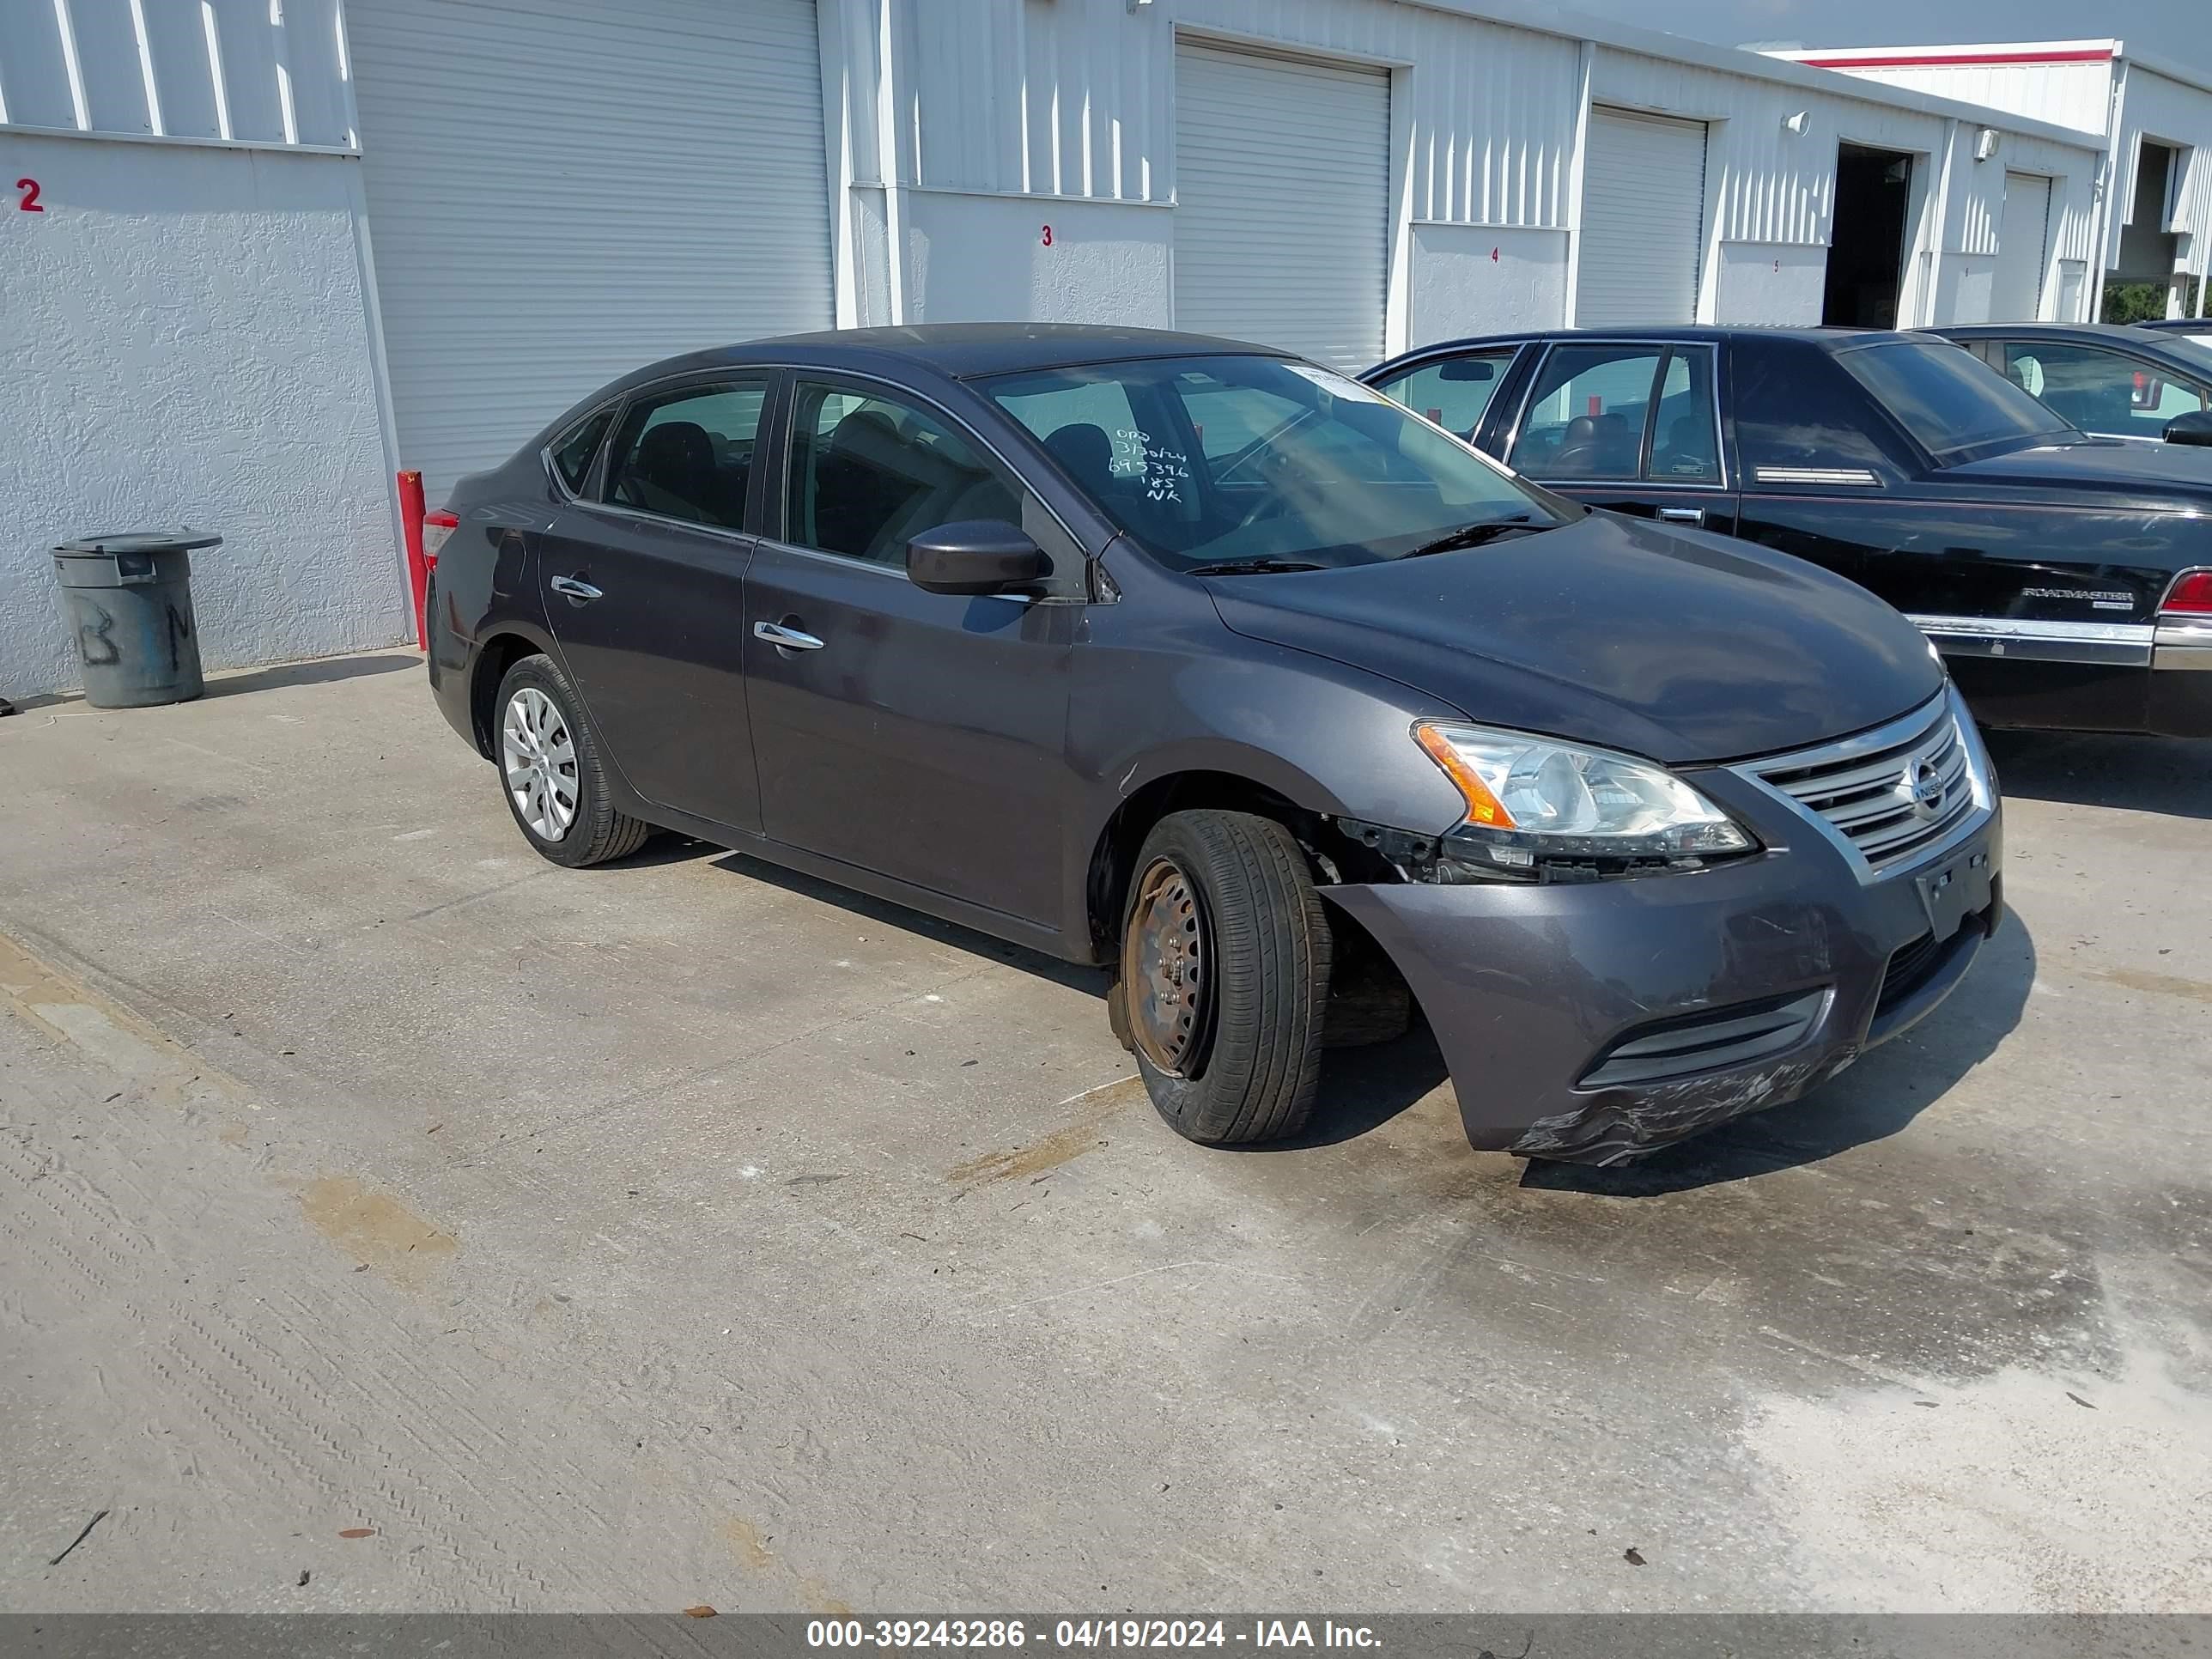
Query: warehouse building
<point x="2153" y="120"/>
<point x="276" y="250"/>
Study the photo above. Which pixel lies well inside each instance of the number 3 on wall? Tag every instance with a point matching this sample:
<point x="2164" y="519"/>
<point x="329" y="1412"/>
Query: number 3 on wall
<point x="30" y="202"/>
<point x="1046" y="239"/>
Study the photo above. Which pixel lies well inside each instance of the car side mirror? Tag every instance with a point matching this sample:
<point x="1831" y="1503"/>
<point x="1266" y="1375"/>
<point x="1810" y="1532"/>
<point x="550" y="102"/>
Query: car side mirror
<point x="976" y="555"/>
<point x="1467" y="368"/>
<point x="2194" y="428"/>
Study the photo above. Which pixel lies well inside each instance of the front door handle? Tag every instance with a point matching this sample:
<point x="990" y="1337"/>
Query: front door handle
<point x="1683" y="514"/>
<point x="785" y="639"/>
<point x="581" y="593"/>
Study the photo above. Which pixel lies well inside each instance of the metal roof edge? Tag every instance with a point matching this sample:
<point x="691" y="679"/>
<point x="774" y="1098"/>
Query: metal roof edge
<point x="1565" y="24"/>
<point x="1996" y="52"/>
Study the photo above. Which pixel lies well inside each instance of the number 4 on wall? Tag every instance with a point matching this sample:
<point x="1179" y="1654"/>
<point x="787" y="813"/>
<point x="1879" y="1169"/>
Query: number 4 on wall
<point x="30" y="202"/>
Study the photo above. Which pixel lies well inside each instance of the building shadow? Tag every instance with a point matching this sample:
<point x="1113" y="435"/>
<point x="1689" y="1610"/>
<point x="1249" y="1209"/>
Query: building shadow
<point x="2172" y="775"/>
<point x="1877" y="1098"/>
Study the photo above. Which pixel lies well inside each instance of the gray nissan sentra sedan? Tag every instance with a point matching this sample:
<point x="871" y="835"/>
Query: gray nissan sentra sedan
<point x="1216" y="669"/>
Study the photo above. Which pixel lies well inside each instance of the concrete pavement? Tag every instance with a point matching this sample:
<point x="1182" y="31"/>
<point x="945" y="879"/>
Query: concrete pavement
<point x="685" y="1231"/>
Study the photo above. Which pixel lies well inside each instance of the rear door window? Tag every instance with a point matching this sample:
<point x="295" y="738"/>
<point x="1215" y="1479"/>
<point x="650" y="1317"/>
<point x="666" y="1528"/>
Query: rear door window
<point x="1456" y="393"/>
<point x="687" y="453"/>
<point x="1585" y="417"/>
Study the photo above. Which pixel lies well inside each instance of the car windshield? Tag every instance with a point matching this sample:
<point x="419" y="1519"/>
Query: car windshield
<point x="1265" y="464"/>
<point x="1949" y="399"/>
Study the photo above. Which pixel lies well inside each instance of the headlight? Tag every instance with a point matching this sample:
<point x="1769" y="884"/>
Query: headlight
<point x="1530" y="800"/>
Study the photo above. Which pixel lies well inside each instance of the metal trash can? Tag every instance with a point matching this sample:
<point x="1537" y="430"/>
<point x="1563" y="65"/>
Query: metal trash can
<point x="130" y="601"/>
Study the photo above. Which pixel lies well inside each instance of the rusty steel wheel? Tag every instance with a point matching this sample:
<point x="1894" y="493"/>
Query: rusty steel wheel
<point x="1167" y="968"/>
<point x="1224" y="977"/>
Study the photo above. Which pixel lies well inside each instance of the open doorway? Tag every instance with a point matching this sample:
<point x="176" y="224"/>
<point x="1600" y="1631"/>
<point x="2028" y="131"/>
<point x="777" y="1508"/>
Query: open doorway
<point x="1866" y="250"/>
<point x="2141" y="285"/>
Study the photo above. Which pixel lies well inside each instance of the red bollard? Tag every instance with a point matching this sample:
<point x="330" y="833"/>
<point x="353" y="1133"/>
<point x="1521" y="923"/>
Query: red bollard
<point x="418" y="567"/>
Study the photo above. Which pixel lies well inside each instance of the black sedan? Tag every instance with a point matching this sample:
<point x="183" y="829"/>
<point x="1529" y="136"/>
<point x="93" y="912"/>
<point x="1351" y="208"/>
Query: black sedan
<point x="1223" y="672"/>
<point x="2108" y="381"/>
<point x="2067" y="579"/>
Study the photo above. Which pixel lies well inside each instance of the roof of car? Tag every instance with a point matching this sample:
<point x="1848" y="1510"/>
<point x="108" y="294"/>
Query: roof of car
<point x="2048" y="331"/>
<point x="1827" y="339"/>
<point x="2160" y="344"/>
<point x="962" y="349"/>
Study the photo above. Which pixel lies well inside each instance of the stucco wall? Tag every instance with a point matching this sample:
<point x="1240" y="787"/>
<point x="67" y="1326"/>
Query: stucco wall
<point x="1770" y="284"/>
<point x="1477" y="279"/>
<point x="187" y="341"/>
<point x="979" y="258"/>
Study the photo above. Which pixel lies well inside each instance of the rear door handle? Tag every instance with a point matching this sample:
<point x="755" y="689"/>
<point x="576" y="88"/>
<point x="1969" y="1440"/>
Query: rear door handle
<point x="1683" y="514"/>
<point x="582" y="592"/>
<point x="785" y="639"/>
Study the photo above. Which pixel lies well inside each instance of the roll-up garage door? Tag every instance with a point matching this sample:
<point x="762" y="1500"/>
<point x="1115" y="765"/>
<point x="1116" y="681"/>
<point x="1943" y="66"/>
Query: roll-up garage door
<point x="2023" y="243"/>
<point x="1643" y="221"/>
<point x="561" y="191"/>
<point x="1282" y="202"/>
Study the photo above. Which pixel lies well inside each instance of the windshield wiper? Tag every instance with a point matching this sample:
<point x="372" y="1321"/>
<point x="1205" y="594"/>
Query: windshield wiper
<point x="1475" y="535"/>
<point x="1260" y="567"/>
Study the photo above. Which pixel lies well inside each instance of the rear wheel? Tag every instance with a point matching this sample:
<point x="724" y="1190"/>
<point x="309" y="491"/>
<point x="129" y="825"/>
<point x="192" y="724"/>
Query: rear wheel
<point x="554" y="778"/>
<point x="1223" y="984"/>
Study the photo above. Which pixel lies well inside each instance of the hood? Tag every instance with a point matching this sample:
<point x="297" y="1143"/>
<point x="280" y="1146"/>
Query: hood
<point x="1678" y="646"/>
<point x="2146" y="474"/>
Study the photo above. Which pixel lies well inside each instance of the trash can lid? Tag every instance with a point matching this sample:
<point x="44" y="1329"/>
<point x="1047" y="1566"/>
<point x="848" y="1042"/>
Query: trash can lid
<point x="142" y="541"/>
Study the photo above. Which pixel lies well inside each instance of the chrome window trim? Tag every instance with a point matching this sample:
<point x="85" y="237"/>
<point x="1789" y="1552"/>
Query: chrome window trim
<point x="1979" y="774"/>
<point x="1856" y="478"/>
<point x="2128" y="645"/>
<point x="1546" y="347"/>
<point x="721" y="531"/>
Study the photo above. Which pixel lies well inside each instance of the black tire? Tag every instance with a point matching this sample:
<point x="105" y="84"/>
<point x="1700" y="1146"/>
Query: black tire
<point x="1249" y="1062"/>
<point x="595" y="832"/>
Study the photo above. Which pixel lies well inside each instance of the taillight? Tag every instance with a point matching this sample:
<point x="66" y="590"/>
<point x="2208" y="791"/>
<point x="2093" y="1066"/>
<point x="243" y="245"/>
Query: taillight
<point x="2190" y="594"/>
<point x="437" y="525"/>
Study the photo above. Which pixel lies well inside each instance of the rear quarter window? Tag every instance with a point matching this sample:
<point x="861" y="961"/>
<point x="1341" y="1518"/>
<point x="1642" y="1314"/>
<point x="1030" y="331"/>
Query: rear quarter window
<point x="574" y="450"/>
<point x="1796" y="411"/>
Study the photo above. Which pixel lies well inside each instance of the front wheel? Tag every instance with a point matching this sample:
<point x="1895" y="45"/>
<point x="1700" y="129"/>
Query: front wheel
<point x="554" y="778"/>
<point x="1223" y="984"/>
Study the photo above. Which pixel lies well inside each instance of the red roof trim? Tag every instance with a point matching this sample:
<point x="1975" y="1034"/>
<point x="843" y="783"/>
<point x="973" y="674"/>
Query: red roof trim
<point x="1932" y="60"/>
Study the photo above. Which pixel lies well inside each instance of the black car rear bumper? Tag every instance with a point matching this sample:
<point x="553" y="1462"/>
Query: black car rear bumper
<point x="1595" y="1022"/>
<point x="2082" y="677"/>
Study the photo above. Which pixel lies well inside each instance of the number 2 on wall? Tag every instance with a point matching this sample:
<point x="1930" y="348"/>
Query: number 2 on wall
<point x="30" y="203"/>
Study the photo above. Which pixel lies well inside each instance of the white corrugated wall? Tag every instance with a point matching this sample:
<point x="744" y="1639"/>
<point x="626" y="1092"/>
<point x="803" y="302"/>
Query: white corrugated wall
<point x="1078" y="99"/>
<point x="653" y="183"/>
<point x="245" y="70"/>
<point x="2068" y="95"/>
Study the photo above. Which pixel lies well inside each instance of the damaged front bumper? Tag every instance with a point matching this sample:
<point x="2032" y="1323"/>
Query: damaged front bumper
<point x="1597" y="1021"/>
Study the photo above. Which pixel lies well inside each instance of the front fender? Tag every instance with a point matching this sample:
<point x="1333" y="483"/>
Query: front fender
<point x="1162" y="687"/>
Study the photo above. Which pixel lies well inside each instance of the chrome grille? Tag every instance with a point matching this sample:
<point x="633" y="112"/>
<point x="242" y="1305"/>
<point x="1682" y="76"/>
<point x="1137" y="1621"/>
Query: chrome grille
<point x="1893" y="793"/>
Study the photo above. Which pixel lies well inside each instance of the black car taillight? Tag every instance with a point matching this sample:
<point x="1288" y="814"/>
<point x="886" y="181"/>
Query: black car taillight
<point x="2190" y="596"/>
<point x="437" y="526"/>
